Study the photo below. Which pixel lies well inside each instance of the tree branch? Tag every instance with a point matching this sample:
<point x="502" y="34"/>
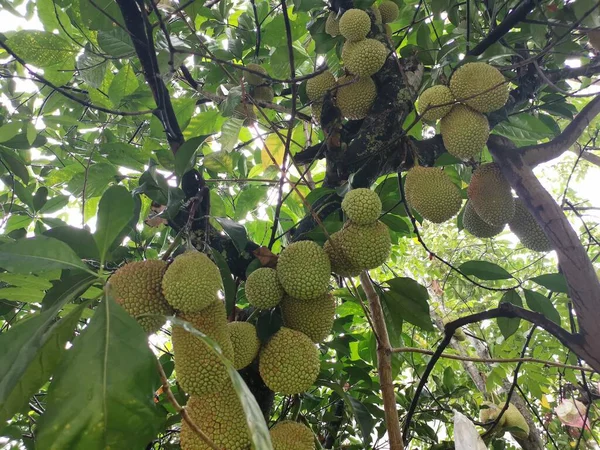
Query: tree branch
<point x="537" y="154"/>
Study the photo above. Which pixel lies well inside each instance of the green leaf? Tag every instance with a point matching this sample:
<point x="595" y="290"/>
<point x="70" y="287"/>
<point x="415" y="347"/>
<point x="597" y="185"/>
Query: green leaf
<point x="229" y="286"/>
<point x="15" y="164"/>
<point x="9" y="131"/>
<point x="79" y="239"/>
<point x="104" y="19"/>
<point x="235" y="231"/>
<point x="410" y="301"/>
<point x="41" y="48"/>
<point x="124" y="84"/>
<point x="507" y="326"/>
<point x="524" y="128"/>
<point x="230" y="132"/>
<point x="116" y="42"/>
<point x="185" y="156"/>
<point x="484" y="270"/>
<point x="54" y="204"/>
<point x="114" y="213"/>
<point x="542" y="304"/>
<point x="554" y="282"/>
<point x="111" y="370"/>
<point x="39" y="198"/>
<point x="39" y="254"/>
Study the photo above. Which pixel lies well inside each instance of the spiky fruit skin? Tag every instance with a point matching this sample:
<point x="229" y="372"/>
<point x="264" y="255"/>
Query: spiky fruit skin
<point x="514" y="419"/>
<point x="332" y="25"/>
<point x="355" y="24"/>
<point x="199" y="369"/>
<point x="366" y="246"/>
<point x="432" y="193"/>
<point x="376" y="14"/>
<point x="340" y="264"/>
<point x="289" y="362"/>
<point x="480" y="86"/>
<point x="192" y="282"/>
<point x="364" y="58"/>
<point x="246" y="112"/>
<point x="263" y="94"/>
<point x="318" y="86"/>
<point x="430" y="98"/>
<point x="525" y="227"/>
<point x="389" y="11"/>
<point x="263" y="289"/>
<point x="490" y="194"/>
<point x="474" y="225"/>
<point x="355" y="97"/>
<point x="362" y="206"/>
<point x="245" y="343"/>
<point x="221" y="417"/>
<point x="137" y="288"/>
<point x="464" y="132"/>
<point x="303" y="269"/>
<point x="314" y="318"/>
<point x="490" y="413"/>
<point x="316" y="108"/>
<point x="253" y="78"/>
<point x="290" y="435"/>
<point x="388" y="30"/>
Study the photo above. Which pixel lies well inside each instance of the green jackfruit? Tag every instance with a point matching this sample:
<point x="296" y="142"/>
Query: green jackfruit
<point x="246" y="112"/>
<point x="389" y="11"/>
<point x="221" y="417"/>
<point x="332" y="25"/>
<point x="388" y="30"/>
<point x="245" y="343"/>
<point x="289" y="435"/>
<point x="340" y="264"/>
<point x="432" y="193"/>
<point x="192" y="282"/>
<point x="263" y="94"/>
<point x="355" y="24"/>
<point x="430" y="98"/>
<point x="303" y="269"/>
<point x="364" y="58"/>
<point x="526" y="228"/>
<point x="316" y="108"/>
<point x="490" y="194"/>
<point x="477" y="227"/>
<point x="137" y="288"/>
<point x="362" y="206"/>
<point x="355" y="96"/>
<point x="480" y="86"/>
<point x="199" y="369"/>
<point x="464" y="132"/>
<point x="314" y="318"/>
<point x="255" y="79"/>
<point x="376" y="14"/>
<point x="289" y="362"/>
<point x="318" y="86"/>
<point x="516" y="421"/>
<point x="366" y="246"/>
<point x="263" y="289"/>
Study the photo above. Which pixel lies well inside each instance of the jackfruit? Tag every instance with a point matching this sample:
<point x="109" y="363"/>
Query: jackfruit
<point x="388" y="30"/>
<point x="255" y="79"/>
<point x="526" y="228"/>
<point x="430" y="98"/>
<point x="317" y="87"/>
<point x="464" y="132"/>
<point x="366" y="246"/>
<point x="362" y="206"/>
<point x="480" y="86"/>
<point x="290" y="435"/>
<point x="289" y="362"/>
<point x="137" y="288"/>
<point x="221" y="417"/>
<point x="514" y="419"/>
<point x="477" y="227"/>
<point x="432" y="193"/>
<point x="389" y="11"/>
<point x="245" y="111"/>
<point x="199" y="369"/>
<point x="263" y="94"/>
<point x="332" y="25"/>
<point x="316" y="108"/>
<point x="355" y="96"/>
<point x="303" y="269"/>
<point x="364" y="58"/>
<point x="490" y="194"/>
<point x="340" y="264"/>
<point x="192" y="282"/>
<point x="314" y="318"/>
<point x="245" y="343"/>
<point x="263" y="289"/>
<point x="355" y="24"/>
<point x="489" y="413"/>
<point x="376" y="14"/>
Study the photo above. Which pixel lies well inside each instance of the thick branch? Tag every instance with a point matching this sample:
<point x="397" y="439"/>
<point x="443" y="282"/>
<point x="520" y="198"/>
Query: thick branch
<point x="384" y="365"/>
<point x="537" y="154"/>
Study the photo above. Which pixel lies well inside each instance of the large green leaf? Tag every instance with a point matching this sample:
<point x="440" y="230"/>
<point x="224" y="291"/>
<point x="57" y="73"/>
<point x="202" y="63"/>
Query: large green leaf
<point x="229" y="286"/>
<point x="111" y="370"/>
<point x="41" y="48"/>
<point x="484" y="270"/>
<point x="507" y="326"/>
<point x="554" y="282"/>
<point x="123" y="84"/>
<point x="184" y="158"/>
<point x="39" y="254"/>
<point x="542" y="304"/>
<point x="410" y="300"/>
<point x="115" y="210"/>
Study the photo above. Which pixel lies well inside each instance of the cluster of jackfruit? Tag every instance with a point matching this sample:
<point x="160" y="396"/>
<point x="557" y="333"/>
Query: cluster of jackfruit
<point x="474" y="89"/>
<point x="512" y="420"/>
